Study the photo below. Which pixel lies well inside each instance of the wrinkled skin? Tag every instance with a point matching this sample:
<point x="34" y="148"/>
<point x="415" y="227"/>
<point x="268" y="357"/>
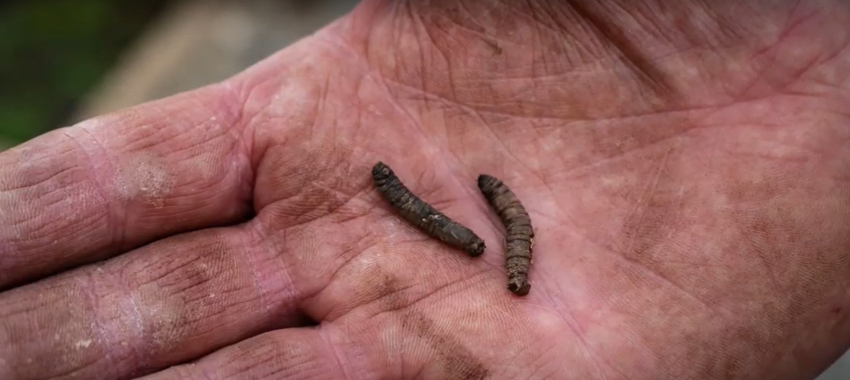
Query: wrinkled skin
<point x="686" y="167"/>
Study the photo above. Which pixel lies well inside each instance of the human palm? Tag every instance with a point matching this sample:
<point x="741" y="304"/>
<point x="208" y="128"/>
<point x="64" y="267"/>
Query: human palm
<point x="685" y="168"/>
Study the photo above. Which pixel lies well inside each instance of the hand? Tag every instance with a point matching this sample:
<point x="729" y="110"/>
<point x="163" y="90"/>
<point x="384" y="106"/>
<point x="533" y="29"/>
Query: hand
<point x="686" y="168"/>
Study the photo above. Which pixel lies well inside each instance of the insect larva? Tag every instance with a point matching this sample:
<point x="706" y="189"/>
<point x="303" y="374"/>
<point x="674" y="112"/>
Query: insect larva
<point x="519" y="237"/>
<point x="422" y="215"/>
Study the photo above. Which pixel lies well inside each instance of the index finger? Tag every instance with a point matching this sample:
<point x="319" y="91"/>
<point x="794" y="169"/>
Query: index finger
<point x="86" y="192"/>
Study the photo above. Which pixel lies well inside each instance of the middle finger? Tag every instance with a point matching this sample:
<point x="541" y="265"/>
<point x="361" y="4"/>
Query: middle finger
<point x="159" y="305"/>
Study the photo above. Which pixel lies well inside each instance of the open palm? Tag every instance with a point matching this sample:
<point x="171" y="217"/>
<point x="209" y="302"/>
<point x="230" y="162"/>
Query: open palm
<point x="686" y="168"/>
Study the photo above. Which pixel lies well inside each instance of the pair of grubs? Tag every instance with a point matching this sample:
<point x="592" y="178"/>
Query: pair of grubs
<point x="519" y="237"/>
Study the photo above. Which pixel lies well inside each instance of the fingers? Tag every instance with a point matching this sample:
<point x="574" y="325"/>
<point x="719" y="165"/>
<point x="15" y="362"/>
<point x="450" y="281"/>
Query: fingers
<point x="389" y="351"/>
<point x="297" y="353"/>
<point x="106" y="185"/>
<point x="160" y="305"/>
<point x="395" y="344"/>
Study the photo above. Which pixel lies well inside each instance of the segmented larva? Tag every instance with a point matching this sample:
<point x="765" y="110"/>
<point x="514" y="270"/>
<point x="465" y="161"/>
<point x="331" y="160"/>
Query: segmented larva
<point x="519" y="238"/>
<point x="422" y="215"/>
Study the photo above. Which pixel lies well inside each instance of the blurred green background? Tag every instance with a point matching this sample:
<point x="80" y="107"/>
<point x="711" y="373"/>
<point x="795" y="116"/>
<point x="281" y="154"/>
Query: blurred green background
<point x="53" y="52"/>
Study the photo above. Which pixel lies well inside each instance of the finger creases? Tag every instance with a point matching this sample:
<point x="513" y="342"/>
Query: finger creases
<point x="171" y="301"/>
<point x="109" y="184"/>
<point x="327" y="353"/>
<point x="298" y="353"/>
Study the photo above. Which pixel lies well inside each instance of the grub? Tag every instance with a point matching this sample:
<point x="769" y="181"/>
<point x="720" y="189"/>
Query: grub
<point x="519" y="237"/>
<point x="422" y="215"/>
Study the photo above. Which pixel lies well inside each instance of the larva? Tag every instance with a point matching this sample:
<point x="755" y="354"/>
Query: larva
<point x="519" y="237"/>
<point x="422" y="215"/>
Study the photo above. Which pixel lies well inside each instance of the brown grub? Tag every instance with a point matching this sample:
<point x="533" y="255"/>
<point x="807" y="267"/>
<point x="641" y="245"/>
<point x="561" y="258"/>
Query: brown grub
<point x="520" y="235"/>
<point x="422" y="215"/>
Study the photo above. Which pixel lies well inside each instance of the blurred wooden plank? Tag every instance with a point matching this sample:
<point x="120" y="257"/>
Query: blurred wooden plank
<point x="840" y="370"/>
<point x="198" y="42"/>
